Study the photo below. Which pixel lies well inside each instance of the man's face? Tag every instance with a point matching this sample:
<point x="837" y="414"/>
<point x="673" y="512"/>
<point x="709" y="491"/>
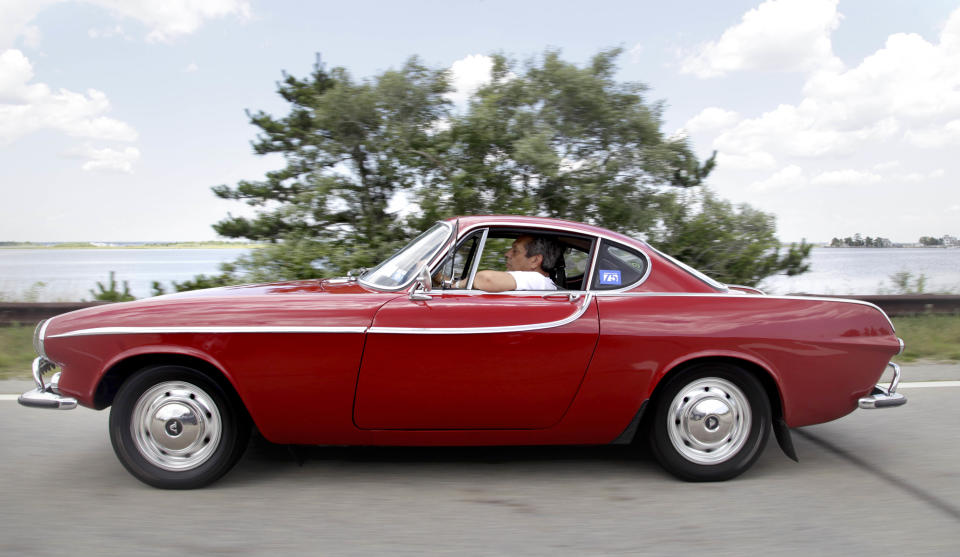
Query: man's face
<point x="517" y="259"/>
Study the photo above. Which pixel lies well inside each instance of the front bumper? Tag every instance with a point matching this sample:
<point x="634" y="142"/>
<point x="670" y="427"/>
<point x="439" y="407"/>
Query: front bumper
<point x="885" y="397"/>
<point x="46" y="395"/>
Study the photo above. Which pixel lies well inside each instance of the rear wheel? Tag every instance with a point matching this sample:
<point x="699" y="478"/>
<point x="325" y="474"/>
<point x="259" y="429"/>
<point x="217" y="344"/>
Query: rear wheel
<point x="173" y="427"/>
<point x="710" y="423"/>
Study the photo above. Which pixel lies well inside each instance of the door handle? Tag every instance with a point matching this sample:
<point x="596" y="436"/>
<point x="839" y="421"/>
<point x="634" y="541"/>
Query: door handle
<point x="568" y="296"/>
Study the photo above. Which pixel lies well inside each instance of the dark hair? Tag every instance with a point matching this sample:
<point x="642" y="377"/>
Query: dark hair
<point x="545" y="246"/>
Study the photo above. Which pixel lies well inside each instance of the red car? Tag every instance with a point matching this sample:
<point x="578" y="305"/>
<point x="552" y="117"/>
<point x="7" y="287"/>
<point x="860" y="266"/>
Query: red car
<point x="632" y="344"/>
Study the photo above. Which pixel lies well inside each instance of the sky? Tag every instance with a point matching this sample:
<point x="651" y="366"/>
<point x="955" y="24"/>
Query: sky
<point x="837" y="117"/>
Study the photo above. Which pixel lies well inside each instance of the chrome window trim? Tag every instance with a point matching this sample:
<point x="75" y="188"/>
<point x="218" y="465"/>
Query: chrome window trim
<point x="206" y="330"/>
<point x="641" y="280"/>
<point x="596" y="237"/>
<point x="430" y="263"/>
<point x="486" y="330"/>
<point x="477" y="258"/>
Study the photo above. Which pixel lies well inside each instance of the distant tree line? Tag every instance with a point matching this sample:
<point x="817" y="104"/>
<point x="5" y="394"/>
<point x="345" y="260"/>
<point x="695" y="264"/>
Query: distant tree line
<point x="858" y="241"/>
<point x="931" y="241"/>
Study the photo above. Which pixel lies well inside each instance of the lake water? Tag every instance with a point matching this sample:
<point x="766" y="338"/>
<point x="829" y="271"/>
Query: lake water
<point x="69" y="275"/>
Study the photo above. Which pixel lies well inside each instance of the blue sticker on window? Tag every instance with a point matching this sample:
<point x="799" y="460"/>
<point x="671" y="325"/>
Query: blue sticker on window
<point x="609" y="276"/>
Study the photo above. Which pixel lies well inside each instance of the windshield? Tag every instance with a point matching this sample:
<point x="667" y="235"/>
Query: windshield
<point x="401" y="267"/>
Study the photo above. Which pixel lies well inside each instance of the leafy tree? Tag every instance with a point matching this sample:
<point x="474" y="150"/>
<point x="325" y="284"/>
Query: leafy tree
<point x="550" y="138"/>
<point x="835" y="243"/>
<point x="544" y="137"/>
<point x="736" y="245"/>
<point x="349" y="147"/>
<point x="931" y="241"/>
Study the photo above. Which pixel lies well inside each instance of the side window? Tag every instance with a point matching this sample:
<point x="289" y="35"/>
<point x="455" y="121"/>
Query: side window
<point x="462" y="261"/>
<point x="493" y="254"/>
<point x="617" y="267"/>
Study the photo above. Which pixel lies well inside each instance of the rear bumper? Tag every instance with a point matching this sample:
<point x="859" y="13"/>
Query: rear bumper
<point x="882" y="397"/>
<point x="46" y="395"/>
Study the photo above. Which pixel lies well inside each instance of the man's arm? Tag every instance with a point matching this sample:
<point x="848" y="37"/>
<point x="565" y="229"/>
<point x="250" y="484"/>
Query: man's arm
<point x="494" y="281"/>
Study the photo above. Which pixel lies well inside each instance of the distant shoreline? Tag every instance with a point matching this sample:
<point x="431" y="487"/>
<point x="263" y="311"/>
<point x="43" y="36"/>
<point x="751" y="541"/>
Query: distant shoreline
<point x="145" y="245"/>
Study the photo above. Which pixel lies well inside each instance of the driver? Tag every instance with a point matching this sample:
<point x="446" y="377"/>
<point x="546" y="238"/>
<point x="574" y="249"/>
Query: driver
<point x="529" y="261"/>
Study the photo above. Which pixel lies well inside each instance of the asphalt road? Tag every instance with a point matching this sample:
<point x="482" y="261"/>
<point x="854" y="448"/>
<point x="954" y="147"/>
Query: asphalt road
<point x="881" y="481"/>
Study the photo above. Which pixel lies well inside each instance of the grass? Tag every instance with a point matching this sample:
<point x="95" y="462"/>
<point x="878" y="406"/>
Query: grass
<point x="927" y="337"/>
<point x="16" y="351"/>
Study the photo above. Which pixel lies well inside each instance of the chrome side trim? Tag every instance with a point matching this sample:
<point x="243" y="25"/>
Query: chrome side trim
<point x="613" y="293"/>
<point x="205" y="330"/>
<point x="484" y="330"/>
<point x="902" y="346"/>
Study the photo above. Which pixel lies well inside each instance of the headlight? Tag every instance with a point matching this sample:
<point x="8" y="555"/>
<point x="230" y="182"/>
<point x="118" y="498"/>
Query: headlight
<point x="38" y="338"/>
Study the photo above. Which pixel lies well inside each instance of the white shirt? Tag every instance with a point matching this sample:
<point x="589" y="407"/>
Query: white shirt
<point x="530" y="280"/>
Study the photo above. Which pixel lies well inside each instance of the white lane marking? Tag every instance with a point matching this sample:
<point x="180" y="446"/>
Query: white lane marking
<point x="928" y="384"/>
<point x="914" y="385"/>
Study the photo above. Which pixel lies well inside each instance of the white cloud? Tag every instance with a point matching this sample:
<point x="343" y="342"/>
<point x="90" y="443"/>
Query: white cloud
<point x="886" y="165"/>
<point x="789" y="178"/>
<point x="31" y="36"/>
<point x="711" y="119"/>
<point x="108" y="159"/>
<point x="754" y="160"/>
<point x="109" y="33"/>
<point x="778" y="35"/>
<point x="164" y="19"/>
<point x="26" y="107"/>
<point x="935" y="136"/>
<point x="467" y="75"/>
<point x="846" y="177"/>
<point x="191" y="67"/>
<point x="168" y="19"/>
<point x="636" y="53"/>
<point x="17" y="14"/>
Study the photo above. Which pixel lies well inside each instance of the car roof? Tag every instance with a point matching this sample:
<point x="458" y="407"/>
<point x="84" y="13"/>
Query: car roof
<point x="560" y="224"/>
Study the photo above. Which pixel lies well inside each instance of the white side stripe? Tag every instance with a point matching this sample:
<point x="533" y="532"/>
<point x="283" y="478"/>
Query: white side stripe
<point x="201" y="330"/>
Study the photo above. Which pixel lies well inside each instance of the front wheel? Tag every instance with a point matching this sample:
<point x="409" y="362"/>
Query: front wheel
<point x="710" y="423"/>
<point x="173" y="427"/>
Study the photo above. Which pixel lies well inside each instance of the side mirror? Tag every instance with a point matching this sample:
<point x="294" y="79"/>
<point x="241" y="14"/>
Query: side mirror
<point x="421" y="287"/>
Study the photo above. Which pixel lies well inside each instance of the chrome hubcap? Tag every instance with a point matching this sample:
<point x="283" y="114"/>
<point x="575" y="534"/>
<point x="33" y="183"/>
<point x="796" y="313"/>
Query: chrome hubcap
<point x="176" y="426"/>
<point x="709" y="421"/>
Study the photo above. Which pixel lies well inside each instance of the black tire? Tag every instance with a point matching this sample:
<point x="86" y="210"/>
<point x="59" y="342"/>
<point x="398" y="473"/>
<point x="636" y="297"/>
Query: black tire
<point x="189" y="432"/>
<point x="711" y="422"/>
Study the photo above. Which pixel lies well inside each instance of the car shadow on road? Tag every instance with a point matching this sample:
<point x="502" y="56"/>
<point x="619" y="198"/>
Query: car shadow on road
<point x="264" y="460"/>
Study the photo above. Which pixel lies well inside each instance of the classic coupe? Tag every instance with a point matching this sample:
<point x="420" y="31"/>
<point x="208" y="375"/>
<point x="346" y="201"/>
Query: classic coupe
<point x="632" y="345"/>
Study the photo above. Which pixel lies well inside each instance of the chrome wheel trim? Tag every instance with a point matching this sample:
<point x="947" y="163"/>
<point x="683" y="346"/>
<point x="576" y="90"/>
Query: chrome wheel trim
<point x="709" y="421"/>
<point x="176" y="426"/>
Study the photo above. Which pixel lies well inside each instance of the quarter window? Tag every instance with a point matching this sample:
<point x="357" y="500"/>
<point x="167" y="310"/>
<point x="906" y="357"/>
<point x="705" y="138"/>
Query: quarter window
<point x="617" y="267"/>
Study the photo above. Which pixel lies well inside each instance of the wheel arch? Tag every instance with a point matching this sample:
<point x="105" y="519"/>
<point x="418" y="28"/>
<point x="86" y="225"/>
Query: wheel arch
<point x="766" y="378"/>
<point x="124" y="368"/>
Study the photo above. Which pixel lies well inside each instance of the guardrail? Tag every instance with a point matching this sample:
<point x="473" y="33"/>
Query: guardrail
<point x="907" y="304"/>
<point x="27" y="313"/>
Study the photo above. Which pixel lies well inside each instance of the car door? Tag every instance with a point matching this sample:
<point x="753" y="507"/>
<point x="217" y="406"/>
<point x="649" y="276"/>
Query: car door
<point x="465" y="359"/>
